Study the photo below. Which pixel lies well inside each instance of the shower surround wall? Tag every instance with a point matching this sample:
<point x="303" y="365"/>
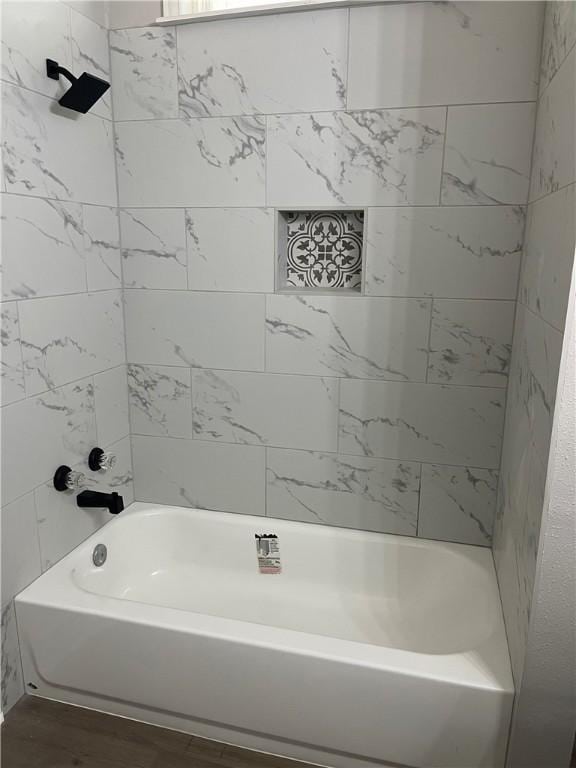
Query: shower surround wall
<point x="383" y="410"/>
<point x="540" y="319"/>
<point x="63" y="352"/>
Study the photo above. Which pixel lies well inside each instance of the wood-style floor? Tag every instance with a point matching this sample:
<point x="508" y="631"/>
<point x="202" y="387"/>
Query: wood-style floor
<point x="43" y="734"/>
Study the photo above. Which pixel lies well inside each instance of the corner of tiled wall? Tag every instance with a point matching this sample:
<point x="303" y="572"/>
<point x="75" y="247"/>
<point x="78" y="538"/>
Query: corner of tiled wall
<point x="64" y="386"/>
<point x="539" y="327"/>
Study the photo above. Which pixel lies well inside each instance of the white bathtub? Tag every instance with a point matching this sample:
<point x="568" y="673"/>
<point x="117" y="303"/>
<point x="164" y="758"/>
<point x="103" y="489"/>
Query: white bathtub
<point x="366" y="649"/>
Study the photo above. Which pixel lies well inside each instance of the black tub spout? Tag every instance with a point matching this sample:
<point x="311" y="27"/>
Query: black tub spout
<point x="113" y="502"/>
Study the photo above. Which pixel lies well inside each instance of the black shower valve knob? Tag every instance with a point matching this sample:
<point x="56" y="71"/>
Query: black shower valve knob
<point x="67" y="479"/>
<point x="100" y="460"/>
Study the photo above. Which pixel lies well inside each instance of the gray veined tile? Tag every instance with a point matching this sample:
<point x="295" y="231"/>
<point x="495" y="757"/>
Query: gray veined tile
<point x="90" y="54"/>
<point x="347" y="491"/>
<point x="471" y="342"/>
<point x="24" y="26"/>
<point x="221" y="69"/>
<point x="46" y="155"/>
<point x="59" y="423"/>
<point x="458" y="53"/>
<point x="12" y="682"/>
<point x="154" y="248"/>
<point x="457" y="504"/>
<point x="230" y="249"/>
<point x="199" y="330"/>
<point x="12" y="373"/>
<point x="549" y="256"/>
<point x="20" y="551"/>
<point x="65" y="338"/>
<point x="51" y="235"/>
<point x="378" y="157"/>
<point x="516" y="533"/>
<point x="160" y="400"/>
<point x="422" y="422"/>
<point x="451" y="252"/>
<point x="554" y="161"/>
<point x="205" y="475"/>
<point x="102" y="248"/>
<point x="111" y="398"/>
<point x="93" y="9"/>
<point x="488" y="153"/>
<point x="144" y="73"/>
<point x="559" y="38"/>
<point x="533" y="378"/>
<point x="223" y="156"/>
<point x="265" y="409"/>
<point x="352" y="337"/>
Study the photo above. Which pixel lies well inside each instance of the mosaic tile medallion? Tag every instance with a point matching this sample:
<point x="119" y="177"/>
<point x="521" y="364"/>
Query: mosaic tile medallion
<point x="324" y="249"/>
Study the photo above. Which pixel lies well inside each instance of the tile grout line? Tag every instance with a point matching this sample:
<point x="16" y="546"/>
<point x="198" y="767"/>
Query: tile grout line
<point x="336" y="110"/>
<point x="443" y="159"/>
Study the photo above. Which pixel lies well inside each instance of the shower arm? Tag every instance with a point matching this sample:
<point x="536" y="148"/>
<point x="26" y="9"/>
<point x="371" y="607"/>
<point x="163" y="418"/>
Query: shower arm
<point x="54" y="70"/>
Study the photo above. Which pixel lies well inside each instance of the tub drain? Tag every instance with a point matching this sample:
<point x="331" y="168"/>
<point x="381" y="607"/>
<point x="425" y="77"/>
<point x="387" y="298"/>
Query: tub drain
<point x="99" y="555"/>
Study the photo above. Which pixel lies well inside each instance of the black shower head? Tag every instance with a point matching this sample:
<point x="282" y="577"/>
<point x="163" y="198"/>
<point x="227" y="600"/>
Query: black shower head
<point x="84" y="91"/>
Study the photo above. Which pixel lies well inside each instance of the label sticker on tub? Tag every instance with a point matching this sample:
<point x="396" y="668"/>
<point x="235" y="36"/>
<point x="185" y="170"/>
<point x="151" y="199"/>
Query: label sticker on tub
<point x="268" y="551"/>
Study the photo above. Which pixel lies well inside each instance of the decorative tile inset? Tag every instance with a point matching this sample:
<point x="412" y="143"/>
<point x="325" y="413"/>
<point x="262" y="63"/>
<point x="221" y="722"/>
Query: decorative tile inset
<point x="322" y="249"/>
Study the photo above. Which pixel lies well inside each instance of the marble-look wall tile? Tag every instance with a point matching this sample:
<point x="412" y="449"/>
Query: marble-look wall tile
<point x="343" y="336"/>
<point x="24" y="26"/>
<point x="42" y="247"/>
<point x="488" y="152"/>
<point x="516" y="533"/>
<point x="65" y="338"/>
<point x="471" y="342"/>
<point x="95" y="10"/>
<point x="111" y="397"/>
<point x="221" y="70"/>
<point x="422" y="422"/>
<point x="469" y="252"/>
<point x="60" y="423"/>
<point x="458" y="53"/>
<point x="549" y="255"/>
<point x="144" y="73"/>
<point x="45" y="154"/>
<point x="90" y="54"/>
<point x="12" y="682"/>
<point x="205" y="475"/>
<point x="154" y="248"/>
<point x="533" y="378"/>
<point x="347" y="491"/>
<point x="12" y="373"/>
<point x="230" y="249"/>
<point x="62" y="525"/>
<point x="380" y="157"/>
<point x="102" y="248"/>
<point x="457" y="504"/>
<point x="265" y="409"/>
<point x="217" y="162"/>
<point x="559" y="37"/>
<point x="160" y="400"/>
<point x="201" y="330"/>
<point x="554" y="161"/>
<point x="20" y="552"/>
